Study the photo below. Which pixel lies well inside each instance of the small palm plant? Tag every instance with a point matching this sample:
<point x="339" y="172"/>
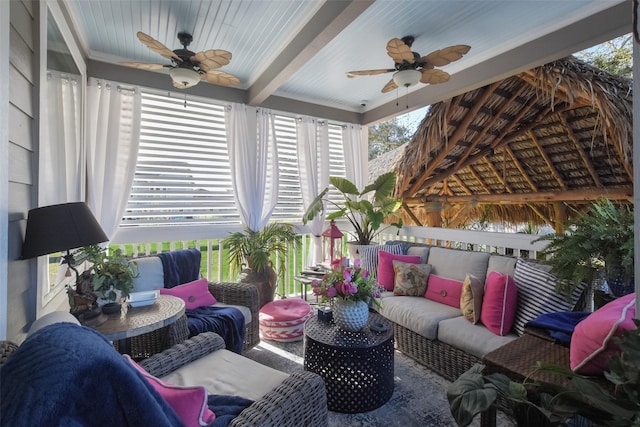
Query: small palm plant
<point x="256" y="248"/>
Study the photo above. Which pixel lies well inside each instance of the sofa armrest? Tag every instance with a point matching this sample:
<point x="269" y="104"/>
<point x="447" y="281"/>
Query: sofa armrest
<point x="239" y="293"/>
<point x="300" y="400"/>
<point x="169" y="360"/>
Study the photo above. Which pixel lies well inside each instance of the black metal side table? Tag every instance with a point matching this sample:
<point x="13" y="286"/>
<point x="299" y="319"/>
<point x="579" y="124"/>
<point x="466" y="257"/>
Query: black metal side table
<point x="357" y="367"/>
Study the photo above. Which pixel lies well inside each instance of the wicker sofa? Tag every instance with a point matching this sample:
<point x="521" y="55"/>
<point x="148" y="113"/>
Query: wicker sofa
<point x="279" y="399"/>
<point x="437" y="335"/>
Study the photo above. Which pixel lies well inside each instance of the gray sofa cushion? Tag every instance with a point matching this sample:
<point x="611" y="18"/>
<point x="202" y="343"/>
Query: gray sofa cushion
<point x="472" y="339"/>
<point x="421" y="251"/>
<point x="417" y="313"/>
<point x="501" y="264"/>
<point x="455" y="264"/>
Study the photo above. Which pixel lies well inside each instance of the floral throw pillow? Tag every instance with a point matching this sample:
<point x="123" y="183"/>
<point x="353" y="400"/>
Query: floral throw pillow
<point x="410" y="279"/>
<point x="471" y="298"/>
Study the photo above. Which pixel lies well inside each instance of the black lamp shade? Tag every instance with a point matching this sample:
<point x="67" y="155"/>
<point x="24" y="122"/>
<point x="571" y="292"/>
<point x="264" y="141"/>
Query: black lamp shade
<point x="61" y="227"/>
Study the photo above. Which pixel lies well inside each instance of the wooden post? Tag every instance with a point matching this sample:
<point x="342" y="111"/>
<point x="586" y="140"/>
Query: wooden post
<point x="434" y="217"/>
<point x="560" y="210"/>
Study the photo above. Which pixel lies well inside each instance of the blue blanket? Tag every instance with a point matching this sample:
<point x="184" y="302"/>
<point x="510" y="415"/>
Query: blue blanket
<point x="228" y="322"/>
<point x="226" y="408"/>
<point x="559" y="325"/>
<point x="69" y="375"/>
<point x="181" y="266"/>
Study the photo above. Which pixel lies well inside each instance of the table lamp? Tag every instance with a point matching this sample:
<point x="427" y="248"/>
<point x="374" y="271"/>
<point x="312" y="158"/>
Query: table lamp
<point x="61" y="227"/>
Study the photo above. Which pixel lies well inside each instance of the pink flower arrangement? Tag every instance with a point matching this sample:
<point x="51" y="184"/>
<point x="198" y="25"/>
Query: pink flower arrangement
<point x="348" y="283"/>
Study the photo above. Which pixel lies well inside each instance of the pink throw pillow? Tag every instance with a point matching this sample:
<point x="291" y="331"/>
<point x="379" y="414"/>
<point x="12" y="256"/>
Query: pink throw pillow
<point x="499" y="303"/>
<point x="195" y="294"/>
<point x="591" y="344"/>
<point x="386" y="273"/>
<point x="443" y="290"/>
<point x="189" y="403"/>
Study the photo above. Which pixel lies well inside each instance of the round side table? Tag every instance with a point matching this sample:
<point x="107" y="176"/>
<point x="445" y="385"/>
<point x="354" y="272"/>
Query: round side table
<point x="357" y="367"/>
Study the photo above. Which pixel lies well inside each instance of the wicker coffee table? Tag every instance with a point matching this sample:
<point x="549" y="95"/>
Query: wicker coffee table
<point x="357" y="367"/>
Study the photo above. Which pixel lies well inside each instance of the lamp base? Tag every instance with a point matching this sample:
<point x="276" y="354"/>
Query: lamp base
<point x="92" y="318"/>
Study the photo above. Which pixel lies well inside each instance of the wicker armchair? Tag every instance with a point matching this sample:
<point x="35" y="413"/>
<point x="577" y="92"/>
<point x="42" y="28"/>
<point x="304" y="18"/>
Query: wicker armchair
<point x="245" y="294"/>
<point x="300" y="400"/>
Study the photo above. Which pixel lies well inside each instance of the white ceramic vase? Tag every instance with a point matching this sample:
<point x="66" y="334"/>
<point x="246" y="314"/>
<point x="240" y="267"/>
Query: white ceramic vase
<point x="350" y="315"/>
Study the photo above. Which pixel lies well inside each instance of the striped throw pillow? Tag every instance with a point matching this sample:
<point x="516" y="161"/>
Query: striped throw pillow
<point x="369" y="256"/>
<point x="537" y="295"/>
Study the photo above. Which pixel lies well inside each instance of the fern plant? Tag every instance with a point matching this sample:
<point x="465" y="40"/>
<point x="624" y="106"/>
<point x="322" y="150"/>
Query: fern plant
<point x="599" y="242"/>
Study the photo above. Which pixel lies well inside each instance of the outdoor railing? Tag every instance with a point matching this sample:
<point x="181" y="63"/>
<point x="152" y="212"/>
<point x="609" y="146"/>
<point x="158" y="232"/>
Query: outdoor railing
<point x="215" y="261"/>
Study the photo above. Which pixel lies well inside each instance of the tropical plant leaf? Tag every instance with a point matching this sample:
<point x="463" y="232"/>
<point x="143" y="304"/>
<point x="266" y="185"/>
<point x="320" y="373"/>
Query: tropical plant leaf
<point x="316" y="207"/>
<point x="383" y="186"/>
<point x="344" y="185"/>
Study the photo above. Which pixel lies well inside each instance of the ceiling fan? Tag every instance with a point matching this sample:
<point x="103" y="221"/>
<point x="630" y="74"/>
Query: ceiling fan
<point x="411" y="68"/>
<point x="187" y="68"/>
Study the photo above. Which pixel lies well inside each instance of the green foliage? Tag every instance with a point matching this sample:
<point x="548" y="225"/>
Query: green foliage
<point x="387" y="136"/>
<point x="599" y="240"/>
<point x="109" y="272"/>
<point x="366" y="216"/>
<point x="614" y="56"/>
<point x="545" y="404"/>
<point x="256" y="248"/>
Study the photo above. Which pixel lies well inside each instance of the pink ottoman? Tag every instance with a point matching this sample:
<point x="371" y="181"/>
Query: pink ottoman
<point x="283" y="320"/>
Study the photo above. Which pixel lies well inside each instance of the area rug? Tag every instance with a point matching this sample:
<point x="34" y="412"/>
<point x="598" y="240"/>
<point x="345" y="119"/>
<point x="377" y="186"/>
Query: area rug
<point x="419" y="397"/>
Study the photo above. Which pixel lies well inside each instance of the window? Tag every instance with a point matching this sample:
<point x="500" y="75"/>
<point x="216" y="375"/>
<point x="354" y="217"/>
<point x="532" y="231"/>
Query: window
<point x="183" y="175"/>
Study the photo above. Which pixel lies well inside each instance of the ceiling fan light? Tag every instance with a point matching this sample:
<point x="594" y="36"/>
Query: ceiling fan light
<point x="184" y="78"/>
<point x="407" y="78"/>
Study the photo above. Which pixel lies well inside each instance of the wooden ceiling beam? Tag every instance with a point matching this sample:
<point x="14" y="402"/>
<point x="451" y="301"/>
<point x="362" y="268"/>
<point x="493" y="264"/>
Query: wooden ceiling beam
<point x="539" y="213"/>
<point x="548" y="161"/>
<point x="549" y="111"/>
<point x="479" y="179"/>
<point x="583" y="195"/>
<point x="462" y="128"/>
<point x="489" y="125"/>
<point x="524" y="173"/>
<point x="581" y="152"/>
<point x="411" y="215"/>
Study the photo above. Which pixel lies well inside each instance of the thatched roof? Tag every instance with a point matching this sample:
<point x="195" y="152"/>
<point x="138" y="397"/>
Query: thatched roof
<point x="556" y="135"/>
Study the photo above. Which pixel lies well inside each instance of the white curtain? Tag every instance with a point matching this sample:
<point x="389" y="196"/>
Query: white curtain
<point x="113" y="138"/>
<point x="355" y="139"/>
<point x="313" y="163"/>
<point x="61" y="166"/>
<point x="254" y="164"/>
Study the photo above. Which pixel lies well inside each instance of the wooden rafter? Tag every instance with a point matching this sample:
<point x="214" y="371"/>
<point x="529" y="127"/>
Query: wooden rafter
<point x="548" y="161"/>
<point x="489" y="125"/>
<point x="409" y="212"/>
<point x="581" y="153"/>
<point x="498" y="143"/>
<point x="479" y="179"/>
<point x="461" y="183"/>
<point x="524" y="173"/>
<point x="493" y="170"/>
<point x="462" y="128"/>
<point x="538" y="213"/>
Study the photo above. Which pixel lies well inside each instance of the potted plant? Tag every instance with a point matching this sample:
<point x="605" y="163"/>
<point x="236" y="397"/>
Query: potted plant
<point x="250" y="254"/>
<point x="365" y="214"/>
<point x="111" y="275"/>
<point x="599" y="243"/>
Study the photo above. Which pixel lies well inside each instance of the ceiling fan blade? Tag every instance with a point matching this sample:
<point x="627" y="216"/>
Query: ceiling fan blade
<point x="391" y="85"/>
<point x="433" y="76"/>
<point x="220" y="78"/>
<point x="368" y="72"/>
<point x="399" y="51"/>
<point x="157" y="47"/>
<point x="211" y="59"/>
<point x="142" y="65"/>
<point x="445" y="56"/>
